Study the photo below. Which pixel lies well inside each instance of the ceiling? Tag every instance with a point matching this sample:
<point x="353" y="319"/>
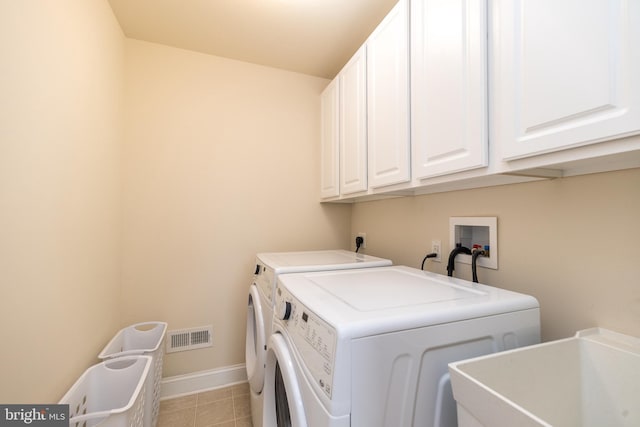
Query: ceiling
<point x="315" y="37"/>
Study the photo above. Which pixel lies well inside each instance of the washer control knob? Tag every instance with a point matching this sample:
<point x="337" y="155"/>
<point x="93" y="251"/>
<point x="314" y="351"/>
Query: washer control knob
<point x="284" y="310"/>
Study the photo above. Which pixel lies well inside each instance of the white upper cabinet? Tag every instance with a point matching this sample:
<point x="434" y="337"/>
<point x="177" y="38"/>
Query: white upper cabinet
<point x="453" y="94"/>
<point x="448" y="86"/>
<point x="388" y="99"/>
<point x="329" y="141"/>
<point x="353" y="124"/>
<point x="565" y="74"/>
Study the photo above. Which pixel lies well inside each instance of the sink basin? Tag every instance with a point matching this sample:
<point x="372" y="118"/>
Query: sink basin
<point x="592" y="379"/>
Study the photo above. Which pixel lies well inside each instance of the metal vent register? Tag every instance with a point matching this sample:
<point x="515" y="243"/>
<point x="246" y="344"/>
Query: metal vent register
<point x="189" y="339"/>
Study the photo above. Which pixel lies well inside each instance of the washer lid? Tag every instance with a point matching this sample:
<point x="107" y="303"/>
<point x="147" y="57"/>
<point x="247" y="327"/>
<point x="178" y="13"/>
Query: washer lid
<point x="384" y="289"/>
<point x="296" y="262"/>
<point x="368" y="301"/>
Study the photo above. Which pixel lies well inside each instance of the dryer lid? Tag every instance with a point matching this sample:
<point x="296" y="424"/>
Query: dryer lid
<point x="295" y="262"/>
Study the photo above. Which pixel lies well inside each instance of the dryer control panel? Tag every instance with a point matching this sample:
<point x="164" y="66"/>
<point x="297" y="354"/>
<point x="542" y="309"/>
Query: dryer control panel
<point x="264" y="278"/>
<point x="314" y="339"/>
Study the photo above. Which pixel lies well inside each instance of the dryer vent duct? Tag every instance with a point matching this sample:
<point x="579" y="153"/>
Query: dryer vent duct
<point x="189" y="339"/>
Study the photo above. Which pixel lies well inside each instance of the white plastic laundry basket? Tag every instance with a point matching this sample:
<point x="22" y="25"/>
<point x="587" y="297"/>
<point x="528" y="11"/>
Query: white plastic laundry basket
<point x="142" y="338"/>
<point x="110" y="394"/>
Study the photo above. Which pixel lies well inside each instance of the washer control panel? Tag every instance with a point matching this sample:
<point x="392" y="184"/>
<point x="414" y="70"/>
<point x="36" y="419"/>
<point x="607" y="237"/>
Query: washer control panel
<point x="315" y="339"/>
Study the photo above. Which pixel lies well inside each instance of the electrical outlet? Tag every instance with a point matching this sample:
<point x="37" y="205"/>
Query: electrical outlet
<point x="364" y="240"/>
<point x="436" y="246"/>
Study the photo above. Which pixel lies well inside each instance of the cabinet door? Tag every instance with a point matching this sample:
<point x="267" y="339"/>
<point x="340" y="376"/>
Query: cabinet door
<point x="388" y="99"/>
<point x="353" y="124"/>
<point x="329" y="137"/>
<point x="567" y="73"/>
<point x="448" y="86"/>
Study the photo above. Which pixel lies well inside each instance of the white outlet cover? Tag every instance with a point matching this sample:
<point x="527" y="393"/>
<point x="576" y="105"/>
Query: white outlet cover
<point x="436" y="246"/>
<point x="364" y="240"/>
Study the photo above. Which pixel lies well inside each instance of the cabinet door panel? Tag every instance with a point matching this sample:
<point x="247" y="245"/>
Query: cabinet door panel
<point x="566" y="78"/>
<point x="449" y="86"/>
<point x="388" y="99"/>
<point x="329" y="110"/>
<point x="353" y="124"/>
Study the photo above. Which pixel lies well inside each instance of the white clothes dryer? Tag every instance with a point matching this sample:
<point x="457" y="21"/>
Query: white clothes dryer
<point x="370" y="348"/>
<point x="269" y="266"/>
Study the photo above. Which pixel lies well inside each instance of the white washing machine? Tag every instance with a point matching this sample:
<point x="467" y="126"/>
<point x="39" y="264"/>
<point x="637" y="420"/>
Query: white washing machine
<point x="370" y="348"/>
<point x="260" y="304"/>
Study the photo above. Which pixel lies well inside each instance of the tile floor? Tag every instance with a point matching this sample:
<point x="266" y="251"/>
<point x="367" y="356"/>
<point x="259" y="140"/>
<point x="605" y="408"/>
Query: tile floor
<point x="225" y="407"/>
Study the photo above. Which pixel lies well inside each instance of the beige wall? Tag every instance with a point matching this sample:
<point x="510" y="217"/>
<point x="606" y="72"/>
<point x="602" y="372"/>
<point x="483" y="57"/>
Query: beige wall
<point x="221" y="162"/>
<point x="572" y="243"/>
<point x="60" y="133"/>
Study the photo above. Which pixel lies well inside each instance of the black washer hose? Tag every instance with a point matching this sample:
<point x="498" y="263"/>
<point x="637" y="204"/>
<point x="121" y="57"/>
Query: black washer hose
<point x="459" y="249"/>
<point x="474" y="268"/>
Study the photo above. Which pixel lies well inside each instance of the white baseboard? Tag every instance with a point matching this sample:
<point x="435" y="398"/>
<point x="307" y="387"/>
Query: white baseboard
<point x="181" y="385"/>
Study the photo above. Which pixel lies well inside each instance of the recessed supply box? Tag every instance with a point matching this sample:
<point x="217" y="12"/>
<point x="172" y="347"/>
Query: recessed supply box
<point x="592" y="379"/>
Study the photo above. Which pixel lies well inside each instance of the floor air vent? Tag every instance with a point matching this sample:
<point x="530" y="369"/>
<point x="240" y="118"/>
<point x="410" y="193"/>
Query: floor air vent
<point x="189" y="339"/>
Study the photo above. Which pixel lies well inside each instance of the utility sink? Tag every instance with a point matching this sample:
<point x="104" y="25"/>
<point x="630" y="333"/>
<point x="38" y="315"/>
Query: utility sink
<point x="592" y="379"/>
